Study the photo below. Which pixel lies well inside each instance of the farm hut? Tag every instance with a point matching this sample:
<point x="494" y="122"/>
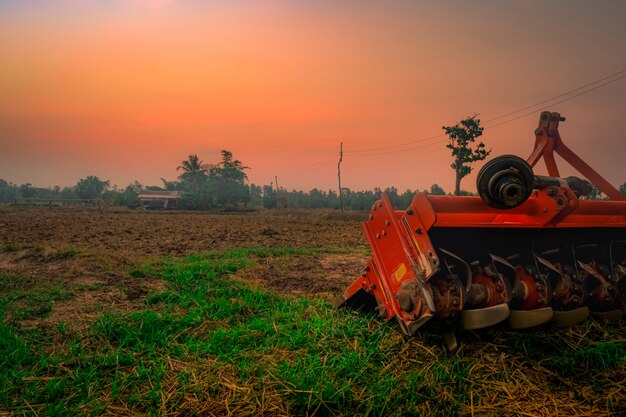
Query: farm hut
<point x="159" y="199"/>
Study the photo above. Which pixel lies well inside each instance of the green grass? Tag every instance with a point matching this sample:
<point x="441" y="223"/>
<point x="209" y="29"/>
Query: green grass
<point x="64" y="253"/>
<point x="9" y="248"/>
<point x="38" y="252"/>
<point x="27" y="298"/>
<point x="210" y="342"/>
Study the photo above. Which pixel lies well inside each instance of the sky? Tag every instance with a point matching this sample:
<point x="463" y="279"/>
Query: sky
<point x="127" y="89"/>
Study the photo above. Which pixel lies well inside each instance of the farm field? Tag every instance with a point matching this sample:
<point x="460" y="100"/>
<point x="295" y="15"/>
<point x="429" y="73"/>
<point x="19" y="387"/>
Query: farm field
<point x="107" y="312"/>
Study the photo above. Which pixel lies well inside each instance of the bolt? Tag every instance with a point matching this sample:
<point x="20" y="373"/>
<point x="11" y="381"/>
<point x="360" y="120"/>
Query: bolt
<point x="540" y="302"/>
<point x="540" y="288"/>
<point x="364" y="274"/>
<point x="373" y="287"/>
<point x="377" y="235"/>
<point x="559" y="202"/>
<point x="387" y="223"/>
<point x="545" y="209"/>
<point x="538" y="132"/>
<point x="409" y="212"/>
<point x="380" y="204"/>
<point x="577" y="288"/>
<point x="367" y="269"/>
<point x="418" y="231"/>
<point x="607" y="299"/>
<point x="551" y="192"/>
<point x="499" y="287"/>
<point x="544" y="116"/>
<point x="455" y="302"/>
<point x="384" y="233"/>
<point x="454" y="289"/>
<point x="371" y="217"/>
<point x="575" y="300"/>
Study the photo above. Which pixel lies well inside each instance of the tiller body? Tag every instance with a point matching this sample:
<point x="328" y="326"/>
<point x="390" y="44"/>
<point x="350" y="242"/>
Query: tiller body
<point x="529" y="250"/>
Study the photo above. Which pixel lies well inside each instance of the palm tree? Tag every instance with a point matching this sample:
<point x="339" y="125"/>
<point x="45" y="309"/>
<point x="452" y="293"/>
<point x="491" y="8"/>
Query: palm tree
<point x="194" y="171"/>
<point x="193" y="165"/>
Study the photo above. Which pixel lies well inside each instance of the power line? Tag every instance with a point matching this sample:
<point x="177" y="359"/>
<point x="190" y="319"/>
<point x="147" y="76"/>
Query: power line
<point x="422" y="143"/>
<point x="397" y="145"/>
<point x="309" y="168"/>
<point x="558" y="96"/>
<point x="405" y="145"/>
<point x="557" y="102"/>
<point x="306" y="167"/>
<point x="412" y="148"/>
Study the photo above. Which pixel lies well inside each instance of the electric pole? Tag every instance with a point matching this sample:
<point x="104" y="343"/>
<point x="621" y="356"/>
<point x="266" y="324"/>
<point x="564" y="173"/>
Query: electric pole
<point x="277" y="199"/>
<point x="339" y="174"/>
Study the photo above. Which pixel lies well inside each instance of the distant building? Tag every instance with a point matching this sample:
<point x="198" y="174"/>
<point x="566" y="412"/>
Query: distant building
<point x="159" y="199"/>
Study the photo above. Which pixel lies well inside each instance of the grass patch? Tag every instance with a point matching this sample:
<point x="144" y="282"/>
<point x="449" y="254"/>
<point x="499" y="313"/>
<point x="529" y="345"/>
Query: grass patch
<point x="213" y="344"/>
<point x="63" y="254"/>
<point x="27" y="297"/>
<point x="9" y="248"/>
<point x="90" y="287"/>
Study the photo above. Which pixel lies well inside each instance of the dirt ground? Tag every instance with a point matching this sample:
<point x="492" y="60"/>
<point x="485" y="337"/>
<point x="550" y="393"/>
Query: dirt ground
<point x="92" y="251"/>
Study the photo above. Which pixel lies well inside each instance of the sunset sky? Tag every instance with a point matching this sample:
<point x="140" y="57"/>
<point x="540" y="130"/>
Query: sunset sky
<point x="125" y="90"/>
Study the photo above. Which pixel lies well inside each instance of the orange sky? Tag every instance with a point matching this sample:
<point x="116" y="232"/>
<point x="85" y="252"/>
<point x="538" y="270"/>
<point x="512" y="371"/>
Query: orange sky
<point x="127" y="89"/>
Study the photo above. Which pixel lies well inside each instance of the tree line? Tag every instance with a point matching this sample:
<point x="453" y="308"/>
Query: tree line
<point x="223" y="185"/>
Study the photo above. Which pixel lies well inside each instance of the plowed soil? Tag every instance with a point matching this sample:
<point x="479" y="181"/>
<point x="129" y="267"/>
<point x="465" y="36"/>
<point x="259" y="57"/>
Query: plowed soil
<point x="92" y="251"/>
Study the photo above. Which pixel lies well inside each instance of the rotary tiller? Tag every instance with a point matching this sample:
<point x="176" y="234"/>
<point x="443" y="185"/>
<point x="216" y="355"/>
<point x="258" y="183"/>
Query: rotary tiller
<point x="530" y="250"/>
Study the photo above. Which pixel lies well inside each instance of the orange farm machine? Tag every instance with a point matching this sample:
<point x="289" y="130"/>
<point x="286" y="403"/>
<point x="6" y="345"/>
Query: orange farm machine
<point x="530" y="250"/>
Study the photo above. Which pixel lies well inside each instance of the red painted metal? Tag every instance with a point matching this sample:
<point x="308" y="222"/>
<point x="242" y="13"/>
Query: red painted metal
<point x="548" y="140"/>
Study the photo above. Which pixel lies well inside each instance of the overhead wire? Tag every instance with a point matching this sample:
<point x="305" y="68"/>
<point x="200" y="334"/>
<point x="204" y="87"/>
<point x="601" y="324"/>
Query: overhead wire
<point x="397" y="145"/>
<point x="309" y="168"/>
<point x="556" y="102"/>
<point x="433" y="140"/>
<point x="558" y="96"/>
<point x="420" y="142"/>
<point x="412" y="148"/>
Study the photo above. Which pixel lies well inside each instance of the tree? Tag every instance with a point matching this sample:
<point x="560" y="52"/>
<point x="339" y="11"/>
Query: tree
<point x="436" y="190"/>
<point x="91" y="187"/>
<point x="230" y="178"/>
<point x="8" y="191"/>
<point x="27" y="190"/>
<point x="171" y="185"/>
<point x="197" y="187"/>
<point x="256" y="195"/>
<point x="68" y="193"/>
<point x="194" y="172"/>
<point x="461" y="137"/>
<point x="622" y="188"/>
<point x="269" y="196"/>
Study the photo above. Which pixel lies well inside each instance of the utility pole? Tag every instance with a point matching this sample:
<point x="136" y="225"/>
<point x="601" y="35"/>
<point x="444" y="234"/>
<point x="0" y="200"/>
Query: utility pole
<point x="277" y="200"/>
<point x="339" y="174"/>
